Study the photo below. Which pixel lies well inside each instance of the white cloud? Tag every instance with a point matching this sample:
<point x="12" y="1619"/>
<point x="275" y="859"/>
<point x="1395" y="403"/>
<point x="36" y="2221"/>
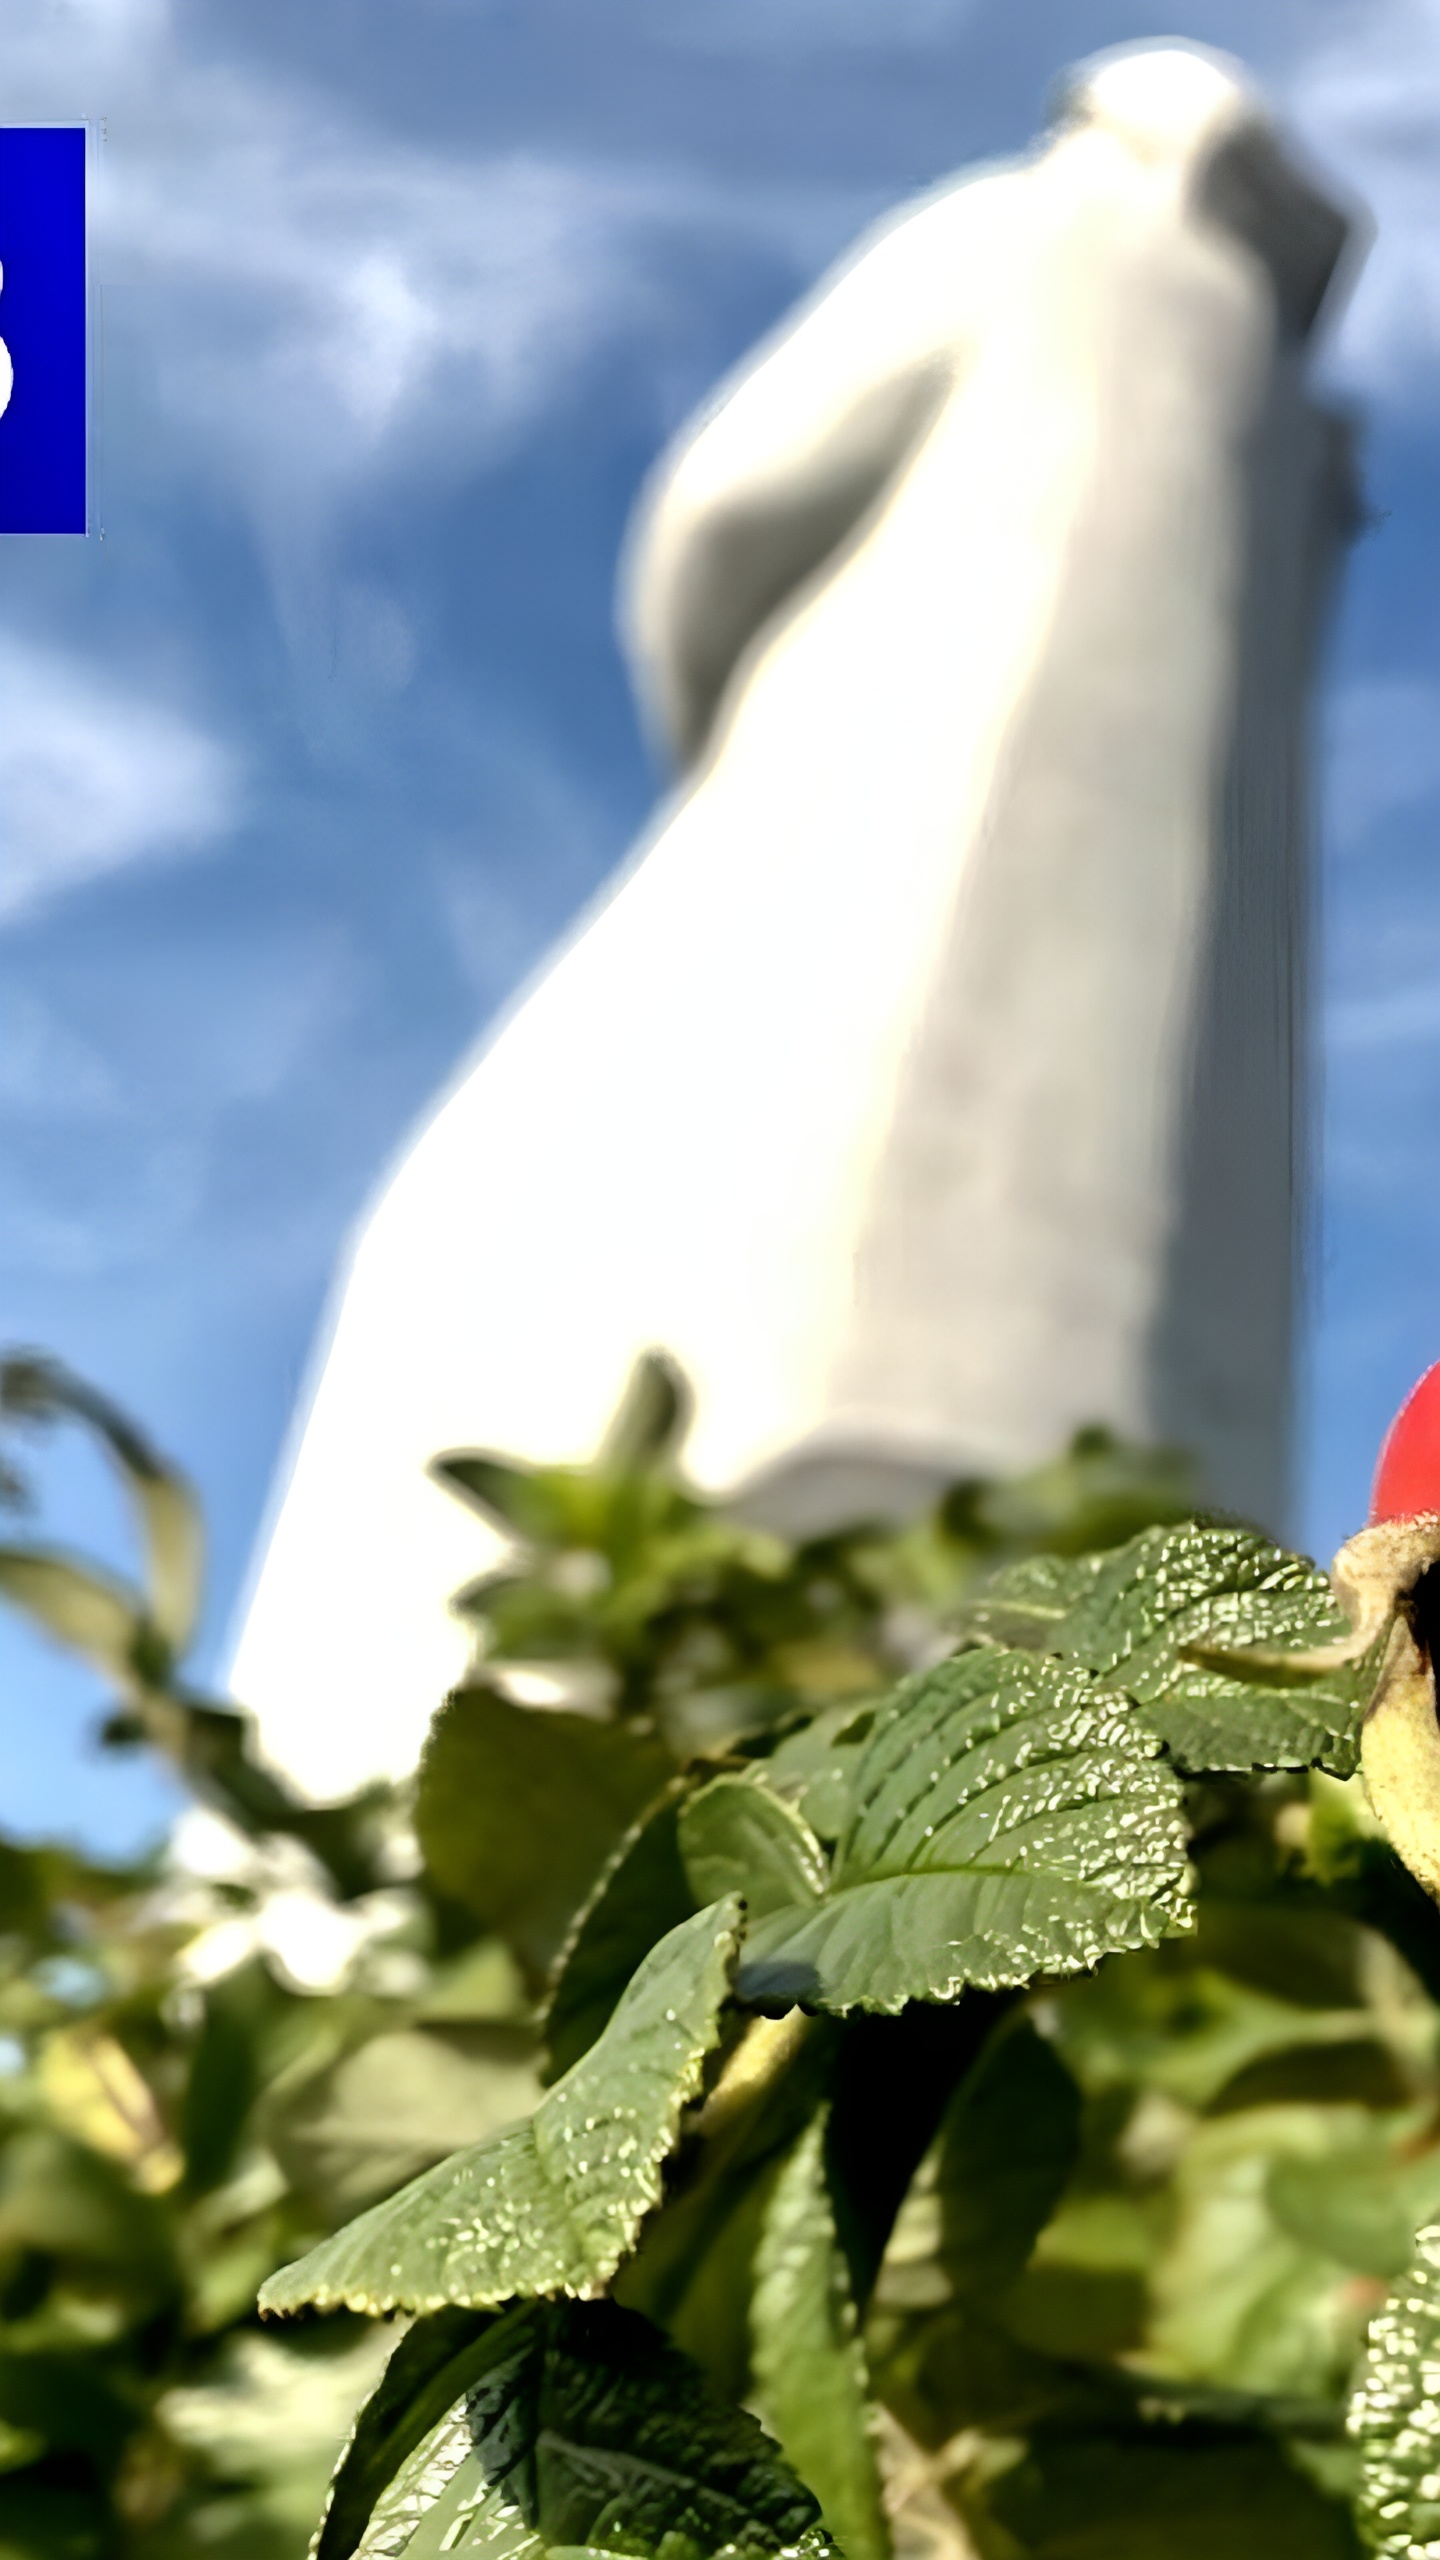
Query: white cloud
<point x="1399" y="1018"/>
<point x="314" y="304"/>
<point x="93" y="777"/>
<point x="1367" y="98"/>
<point x="317" y="293"/>
<point x="325" y="295"/>
<point x="1382" y="752"/>
<point x="50" y="1070"/>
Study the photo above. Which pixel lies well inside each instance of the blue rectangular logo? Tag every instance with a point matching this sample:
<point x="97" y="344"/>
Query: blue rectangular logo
<point x="42" y="329"/>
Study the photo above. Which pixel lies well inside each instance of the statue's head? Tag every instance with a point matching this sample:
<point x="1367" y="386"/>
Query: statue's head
<point x="1165" y="101"/>
<point x="1199" y="112"/>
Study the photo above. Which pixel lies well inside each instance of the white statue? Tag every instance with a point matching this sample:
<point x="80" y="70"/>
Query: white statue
<point x="929" y="1082"/>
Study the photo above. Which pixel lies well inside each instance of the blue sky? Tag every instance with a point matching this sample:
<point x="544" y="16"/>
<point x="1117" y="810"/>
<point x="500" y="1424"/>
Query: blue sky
<point x="308" y="752"/>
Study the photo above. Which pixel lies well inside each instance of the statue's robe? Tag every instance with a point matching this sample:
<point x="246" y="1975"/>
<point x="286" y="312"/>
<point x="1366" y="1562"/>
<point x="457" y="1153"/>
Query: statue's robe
<point x="931" y="1080"/>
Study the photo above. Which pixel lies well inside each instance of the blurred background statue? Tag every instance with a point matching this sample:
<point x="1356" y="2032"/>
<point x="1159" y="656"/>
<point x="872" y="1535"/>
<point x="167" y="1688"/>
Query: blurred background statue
<point x="932" y="1080"/>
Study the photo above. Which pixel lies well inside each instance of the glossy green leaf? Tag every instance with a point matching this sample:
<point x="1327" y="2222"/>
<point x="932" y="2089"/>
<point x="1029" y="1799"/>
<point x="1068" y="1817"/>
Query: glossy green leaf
<point x="1173" y="1591"/>
<point x="1394" y="2413"/>
<point x="1139" y="1619"/>
<point x="809" y="2360"/>
<point x="586" y="2431"/>
<point x="554" y="2205"/>
<point x="433" y="2364"/>
<point x="1011" y="1818"/>
<point x="1008" y="2145"/>
<point x="736" y="1837"/>
<point x="518" y="1809"/>
<point x="643" y="1892"/>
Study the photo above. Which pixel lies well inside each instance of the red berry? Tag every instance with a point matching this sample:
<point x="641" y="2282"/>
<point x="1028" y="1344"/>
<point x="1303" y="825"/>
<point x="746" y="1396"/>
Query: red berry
<point x="1407" y="1479"/>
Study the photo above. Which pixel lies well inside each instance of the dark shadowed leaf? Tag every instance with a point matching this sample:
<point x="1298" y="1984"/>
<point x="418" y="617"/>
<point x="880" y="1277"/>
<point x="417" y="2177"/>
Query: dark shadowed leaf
<point x="809" y="2360"/>
<point x="587" y="2431"/>
<point x="642" y="1893"/>
<point x="1010" y="1818"/>
<point x="554" y="2205"/>
<point x="225" y="2072"/>
<point x="1093" y="2498"/>
<point x="736" y="1837"/>
<point x="42" y="2522"/>
<point x="518" y="1809"/>
<point x="1007" y="2147"/>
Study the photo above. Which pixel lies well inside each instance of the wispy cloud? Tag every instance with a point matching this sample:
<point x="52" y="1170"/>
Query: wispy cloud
<point x="50" y="1070"/>
<point x="1398" y="1018"/>
<point x="314" y="307"/>
<point x="1382" y="752"/>
<point x="93" y="777"/>
<point x="1367" y="97"/>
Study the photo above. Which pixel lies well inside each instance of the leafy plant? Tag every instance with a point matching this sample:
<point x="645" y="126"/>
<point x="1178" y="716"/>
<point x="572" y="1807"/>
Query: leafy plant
<point x="1070" y="2095"/>
<point x="974" y="2018"/>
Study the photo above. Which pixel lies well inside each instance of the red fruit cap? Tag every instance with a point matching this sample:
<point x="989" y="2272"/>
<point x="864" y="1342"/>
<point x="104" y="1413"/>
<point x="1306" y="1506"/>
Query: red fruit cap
<point x="1407" y="1479"/>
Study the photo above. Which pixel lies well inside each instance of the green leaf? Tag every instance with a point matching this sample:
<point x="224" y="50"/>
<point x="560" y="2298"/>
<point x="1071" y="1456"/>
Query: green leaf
<point x="736" y="1837"/>
<point x="93" y="1613"/>
<point x="1096" y="2498"/>
<point x="433" y="2364"/>
<point x="1394" y="2413"/>
<point x="225" y="2072"/>
<point x="651" y="1419"/>
<point x="1247" y="2292"/>
<point x="39" y="2522"/>
<point x="518" y="1809"/>
<point x="519" y="1499"/>
<point x="395" y="2106"/>
<point x="814" y="1769"/>
<point x="68" y="2203"/>
<point x="1138" y="1619"/>
<point x="66" y="2402"/>
<point x="169" y="1519"/>
<point x="588" y="2432"/>
<point x="1009" y="2142"/>
<point x="554" y="2205"/>
<point x="808" y="2358"/>
<point x="1029" y="1601"/>
<point x="1010" y="1818"/>
<point x="643" y="1892"/>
